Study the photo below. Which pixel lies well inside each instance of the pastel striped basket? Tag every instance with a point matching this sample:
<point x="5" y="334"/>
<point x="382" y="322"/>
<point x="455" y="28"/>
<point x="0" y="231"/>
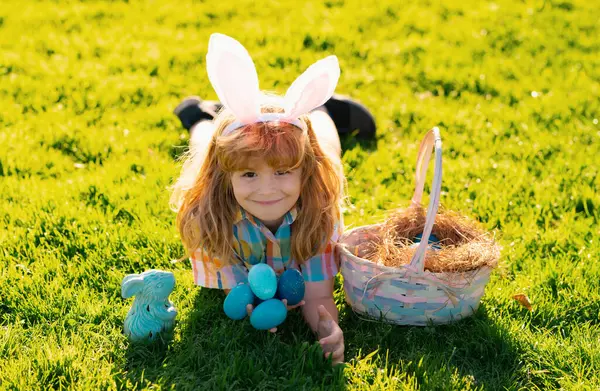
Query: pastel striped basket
<point x="410" y="295"/>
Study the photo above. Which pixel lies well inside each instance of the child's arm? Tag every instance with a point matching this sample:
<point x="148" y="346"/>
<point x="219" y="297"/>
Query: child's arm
<point x="318" y="293"/>
<point x="321" y="315"/>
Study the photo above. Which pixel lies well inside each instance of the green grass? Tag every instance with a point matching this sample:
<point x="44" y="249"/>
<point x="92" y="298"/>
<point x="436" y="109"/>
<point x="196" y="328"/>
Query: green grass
<point x="88" y="146"/>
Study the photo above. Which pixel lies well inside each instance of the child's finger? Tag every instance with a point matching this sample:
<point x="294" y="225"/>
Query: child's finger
<point x="323" y="313"/>
<point x="338" y="354"/>
<point x="332" y="339"/>
<point x="249" y="309"/>
<point x="291" y="307"/>
<point x="273" y="330"/>
<point x="325" y="342"/>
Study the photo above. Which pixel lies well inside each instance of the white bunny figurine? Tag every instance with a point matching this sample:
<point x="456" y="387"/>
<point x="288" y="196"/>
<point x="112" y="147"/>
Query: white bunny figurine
<point x="152" y="312"/>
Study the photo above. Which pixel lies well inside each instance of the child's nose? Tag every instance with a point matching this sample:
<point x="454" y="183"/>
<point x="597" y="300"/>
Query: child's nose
<point x="268" y="184"/>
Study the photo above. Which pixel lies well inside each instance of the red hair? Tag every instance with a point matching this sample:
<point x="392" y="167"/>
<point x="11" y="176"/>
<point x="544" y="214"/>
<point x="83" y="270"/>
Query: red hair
<point x="203" y="195"/>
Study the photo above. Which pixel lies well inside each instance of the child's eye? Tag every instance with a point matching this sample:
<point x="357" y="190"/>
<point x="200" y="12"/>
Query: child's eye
<point x="282" y="172"/>
<point x="249" y="174"/>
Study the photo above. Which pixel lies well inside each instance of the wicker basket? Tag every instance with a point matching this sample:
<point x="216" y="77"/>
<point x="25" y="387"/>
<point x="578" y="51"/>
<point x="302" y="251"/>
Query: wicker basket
<point x="410" y="295"/>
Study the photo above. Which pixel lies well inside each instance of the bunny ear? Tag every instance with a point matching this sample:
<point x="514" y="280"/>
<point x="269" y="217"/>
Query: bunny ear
<point x="131" y="285"/>
<point x="313" y="88"/>
<point x="232" y="74"/>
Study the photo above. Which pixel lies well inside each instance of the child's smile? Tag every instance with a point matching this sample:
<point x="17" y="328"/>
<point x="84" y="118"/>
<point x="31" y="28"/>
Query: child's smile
<point x="268" y="202"/>
<point x="265" y="192"/>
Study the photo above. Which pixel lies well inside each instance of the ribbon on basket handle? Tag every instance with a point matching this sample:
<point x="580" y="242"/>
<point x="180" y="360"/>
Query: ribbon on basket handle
<point x="431" y="141"/>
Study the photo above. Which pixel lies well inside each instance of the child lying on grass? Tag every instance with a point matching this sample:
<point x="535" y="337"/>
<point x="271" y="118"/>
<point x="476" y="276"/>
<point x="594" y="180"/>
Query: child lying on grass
<point x="263" y="180"/>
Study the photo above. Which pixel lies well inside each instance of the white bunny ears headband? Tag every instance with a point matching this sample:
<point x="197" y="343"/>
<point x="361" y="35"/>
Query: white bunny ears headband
<point x="232" y="74"/>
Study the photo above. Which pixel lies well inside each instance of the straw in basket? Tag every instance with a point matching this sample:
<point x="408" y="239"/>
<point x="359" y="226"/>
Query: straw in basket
<point x="409" y="294"/>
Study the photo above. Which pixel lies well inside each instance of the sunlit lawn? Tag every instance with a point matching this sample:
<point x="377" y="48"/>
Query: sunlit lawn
<point x="88" y="147"/>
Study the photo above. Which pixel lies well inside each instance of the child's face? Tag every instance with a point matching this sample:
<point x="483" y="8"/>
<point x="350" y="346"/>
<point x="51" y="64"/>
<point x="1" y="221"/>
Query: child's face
<point x="266" y="193"/>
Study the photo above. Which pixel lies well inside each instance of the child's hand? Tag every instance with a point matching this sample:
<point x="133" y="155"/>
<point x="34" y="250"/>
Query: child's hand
<point x="330" y="336"/>
<point x="250" y="308"/>
<point x="291" y="307"/>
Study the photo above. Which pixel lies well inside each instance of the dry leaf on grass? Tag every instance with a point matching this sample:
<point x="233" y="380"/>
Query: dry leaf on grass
<point x="524" y="301"/>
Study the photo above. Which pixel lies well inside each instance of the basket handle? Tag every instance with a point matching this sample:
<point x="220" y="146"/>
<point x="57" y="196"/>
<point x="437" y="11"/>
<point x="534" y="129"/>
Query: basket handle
<point x="431" y="141"/>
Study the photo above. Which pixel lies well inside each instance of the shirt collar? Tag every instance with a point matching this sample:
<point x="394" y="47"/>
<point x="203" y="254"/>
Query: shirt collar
<point x="288" y="218"/>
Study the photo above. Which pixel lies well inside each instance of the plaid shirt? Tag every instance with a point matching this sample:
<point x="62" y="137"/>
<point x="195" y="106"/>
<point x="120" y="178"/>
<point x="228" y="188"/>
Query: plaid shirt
<point x="254" y="243"/>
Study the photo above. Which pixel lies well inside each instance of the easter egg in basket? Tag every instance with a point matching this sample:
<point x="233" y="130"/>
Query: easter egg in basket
<point x="433" y="242"/>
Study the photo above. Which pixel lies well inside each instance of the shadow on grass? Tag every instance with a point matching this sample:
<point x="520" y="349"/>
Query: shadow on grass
<point x="350" y="141"/>
<point x="474" y="352"/>
<point x="210" y="351"/>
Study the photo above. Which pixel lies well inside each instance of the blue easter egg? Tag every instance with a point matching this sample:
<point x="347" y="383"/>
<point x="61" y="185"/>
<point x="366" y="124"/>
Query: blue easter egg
<point x="291" y="286"/>
<point x="236" y="301"/>
<point x="432" y="238"/>
<point x="263" y="281"/>
<point x="433" y="241"/>
<point x="270" y="313"/>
